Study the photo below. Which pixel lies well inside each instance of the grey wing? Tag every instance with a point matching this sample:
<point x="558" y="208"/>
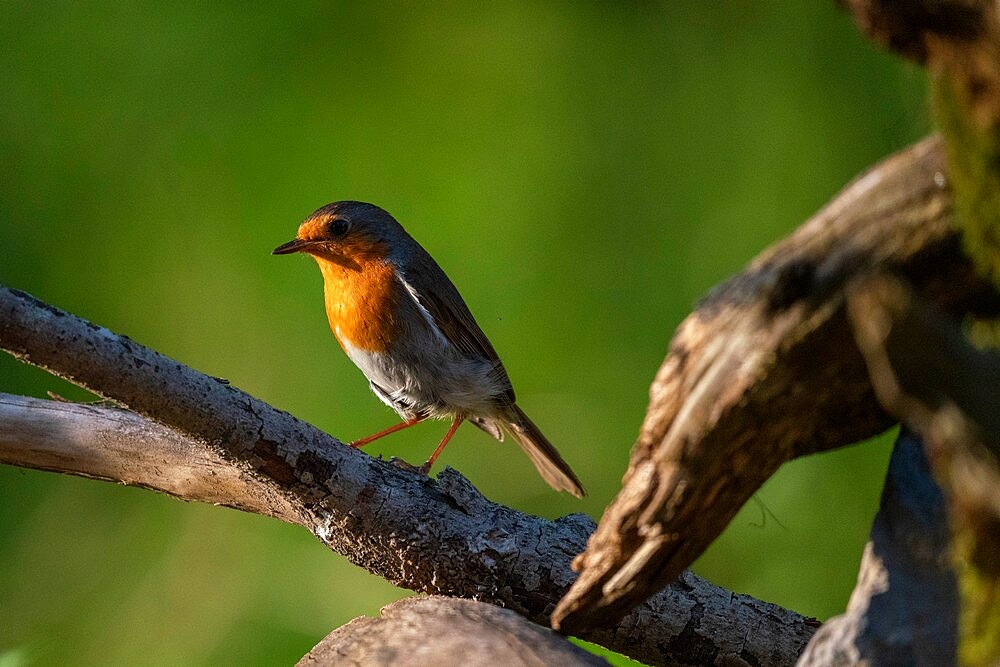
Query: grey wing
<point x="451" y="316"/>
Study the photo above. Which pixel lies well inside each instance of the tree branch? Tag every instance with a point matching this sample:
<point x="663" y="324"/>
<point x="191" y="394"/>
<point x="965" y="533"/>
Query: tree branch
<point x="432" y="536"/>
<point x="117" y="445"/>
<point x="927" y="373"/>
<point x="904" y="609"/>
<point x="436" y="630"/>
<point x="764" y="370"/>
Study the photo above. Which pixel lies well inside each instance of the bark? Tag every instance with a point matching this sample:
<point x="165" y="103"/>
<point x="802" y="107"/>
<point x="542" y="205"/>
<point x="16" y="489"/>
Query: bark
<point x="117" y="445"/>
<point x="904" y="610"/>
<point x="927" y="373"/>
<point x="959" y="43"/>
<point x="419" y="631"/>
<point x="217" y="444"/>
<point x="764" y="370"/>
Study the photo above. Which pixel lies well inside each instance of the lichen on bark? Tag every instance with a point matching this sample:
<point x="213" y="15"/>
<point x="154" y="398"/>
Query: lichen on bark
<point x="974" y="161"/>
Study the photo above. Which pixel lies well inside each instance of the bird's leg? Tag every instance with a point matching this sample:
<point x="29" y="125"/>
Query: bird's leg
<point x="361" y="442"/>
<point x="426" y="468"/>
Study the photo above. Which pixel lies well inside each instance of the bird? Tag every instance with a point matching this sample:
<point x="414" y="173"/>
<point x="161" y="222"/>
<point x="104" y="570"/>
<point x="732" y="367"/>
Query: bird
<point x="403" y="323"/>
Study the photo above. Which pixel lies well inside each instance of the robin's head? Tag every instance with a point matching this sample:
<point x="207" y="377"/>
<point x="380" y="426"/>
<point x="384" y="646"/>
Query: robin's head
<point x="345" y="232"/>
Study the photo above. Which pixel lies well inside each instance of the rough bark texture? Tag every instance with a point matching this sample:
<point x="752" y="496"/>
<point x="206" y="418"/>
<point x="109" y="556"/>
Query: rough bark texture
<point x="764" y="370"/>
<point x="431" y="536"/>
<point x="120" y="446"/>
<point x="436" y="630"/>
<point x="949" y="392"/>
<point x="959" y="43"/>
<point x="904" y="610"/>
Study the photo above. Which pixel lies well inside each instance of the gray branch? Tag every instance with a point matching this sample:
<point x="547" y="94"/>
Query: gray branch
<point x="119" y="446"/>
<point x="221" y="445"/>
<point x="904" y="609"/>
<point x="947" y="391"/>
<point x="436" y="630"/>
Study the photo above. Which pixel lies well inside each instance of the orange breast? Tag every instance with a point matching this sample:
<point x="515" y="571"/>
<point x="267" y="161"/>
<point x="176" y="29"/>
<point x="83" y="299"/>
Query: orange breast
<point x="361" y="301"/>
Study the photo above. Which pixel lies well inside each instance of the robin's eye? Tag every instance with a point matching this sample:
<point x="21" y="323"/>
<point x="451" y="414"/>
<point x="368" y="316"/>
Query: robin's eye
<point x="337" y="227"/>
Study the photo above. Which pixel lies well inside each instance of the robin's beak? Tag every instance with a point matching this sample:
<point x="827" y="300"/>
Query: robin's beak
<point x="295" y="245"/>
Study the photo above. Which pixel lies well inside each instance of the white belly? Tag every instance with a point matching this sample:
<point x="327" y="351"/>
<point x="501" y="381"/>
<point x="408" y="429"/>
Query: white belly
<point x="437" y="382"/>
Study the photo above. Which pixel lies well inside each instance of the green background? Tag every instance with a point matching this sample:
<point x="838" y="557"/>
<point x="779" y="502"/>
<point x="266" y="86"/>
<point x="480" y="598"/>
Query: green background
<point x="584" y="172"/>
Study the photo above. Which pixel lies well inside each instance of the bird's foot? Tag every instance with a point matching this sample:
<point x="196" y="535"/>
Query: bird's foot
<point x="403" y="465"/>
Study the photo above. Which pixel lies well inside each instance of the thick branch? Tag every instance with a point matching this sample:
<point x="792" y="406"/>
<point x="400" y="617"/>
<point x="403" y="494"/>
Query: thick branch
<point x="419" y="631"/>
<point x="927" y="373"/>
<point x="436" y="537"/>
<point x="904" y="609"/>
<point x="120" y="446"/>
<point x="766" y="369"/>
<point x="959" y="43"/>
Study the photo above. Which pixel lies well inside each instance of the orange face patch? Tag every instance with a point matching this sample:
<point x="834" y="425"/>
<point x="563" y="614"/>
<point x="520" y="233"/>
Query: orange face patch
<point x="313" y="229"/>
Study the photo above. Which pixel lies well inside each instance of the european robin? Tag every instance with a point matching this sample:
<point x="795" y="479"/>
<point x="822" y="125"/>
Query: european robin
<point x="403" y="323"/>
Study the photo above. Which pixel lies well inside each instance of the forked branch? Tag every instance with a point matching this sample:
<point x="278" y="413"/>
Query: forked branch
<point x="227" y="447"/>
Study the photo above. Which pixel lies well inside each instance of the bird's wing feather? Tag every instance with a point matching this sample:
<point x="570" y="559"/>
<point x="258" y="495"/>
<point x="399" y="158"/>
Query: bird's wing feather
<point x="436" y="294"/>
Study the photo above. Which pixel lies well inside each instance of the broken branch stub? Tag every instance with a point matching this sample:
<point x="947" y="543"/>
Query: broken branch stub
<point x="765" y="370"/>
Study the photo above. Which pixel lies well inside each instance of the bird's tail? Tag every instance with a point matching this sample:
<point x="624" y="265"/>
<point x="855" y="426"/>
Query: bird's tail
<point x="550" y="465"/>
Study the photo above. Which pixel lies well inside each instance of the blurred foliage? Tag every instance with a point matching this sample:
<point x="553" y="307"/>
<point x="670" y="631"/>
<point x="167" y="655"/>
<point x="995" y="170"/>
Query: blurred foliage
<point x="583" y="171"/>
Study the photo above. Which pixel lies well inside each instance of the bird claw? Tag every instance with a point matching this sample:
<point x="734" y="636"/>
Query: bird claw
<point x="403" y="465"/>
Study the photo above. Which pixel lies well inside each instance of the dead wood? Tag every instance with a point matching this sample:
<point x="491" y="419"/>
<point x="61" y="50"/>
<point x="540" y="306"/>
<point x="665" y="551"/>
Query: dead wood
<point x="419" y="631"/>
<point x="904" y="609"/>
<point x="927" y="374"/>
<point x="764" y="370"/>
<point x="218" y="444"/>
